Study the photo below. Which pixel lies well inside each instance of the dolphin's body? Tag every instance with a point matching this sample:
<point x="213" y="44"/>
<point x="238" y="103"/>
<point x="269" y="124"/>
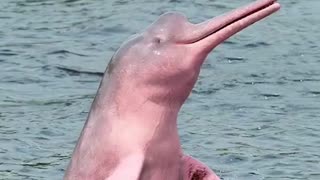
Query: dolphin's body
<point x="131" y="131"/>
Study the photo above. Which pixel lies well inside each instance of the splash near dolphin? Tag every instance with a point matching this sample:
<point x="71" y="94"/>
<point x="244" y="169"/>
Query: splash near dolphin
<point x="131" y="131"/>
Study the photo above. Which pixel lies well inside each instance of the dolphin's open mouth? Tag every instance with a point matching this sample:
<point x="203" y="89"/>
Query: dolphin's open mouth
<point x="234" y="21"/>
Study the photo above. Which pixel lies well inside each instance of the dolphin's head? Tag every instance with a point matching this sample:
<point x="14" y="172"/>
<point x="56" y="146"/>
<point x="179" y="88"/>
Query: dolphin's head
<point x="163" y="62"/>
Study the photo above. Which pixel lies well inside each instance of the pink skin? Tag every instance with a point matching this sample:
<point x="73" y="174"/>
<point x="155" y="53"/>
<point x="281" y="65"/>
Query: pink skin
<point x="131" y="132"/>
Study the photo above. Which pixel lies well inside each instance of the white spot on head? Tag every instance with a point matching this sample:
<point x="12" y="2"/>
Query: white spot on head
<point x="157" y="52"/>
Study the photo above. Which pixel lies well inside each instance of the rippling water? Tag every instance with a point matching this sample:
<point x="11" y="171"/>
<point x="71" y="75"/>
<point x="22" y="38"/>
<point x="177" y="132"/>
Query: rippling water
<point x="254" y="113"/>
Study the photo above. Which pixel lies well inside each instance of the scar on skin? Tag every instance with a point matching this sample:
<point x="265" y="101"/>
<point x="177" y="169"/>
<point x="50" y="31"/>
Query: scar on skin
<point x="199" y="174"/>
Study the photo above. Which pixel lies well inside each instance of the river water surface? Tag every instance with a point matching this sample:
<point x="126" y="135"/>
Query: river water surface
<point x="253" y="115"/>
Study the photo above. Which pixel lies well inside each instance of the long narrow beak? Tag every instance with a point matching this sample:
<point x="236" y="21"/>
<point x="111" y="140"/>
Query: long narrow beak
<point x="207" y="35"/>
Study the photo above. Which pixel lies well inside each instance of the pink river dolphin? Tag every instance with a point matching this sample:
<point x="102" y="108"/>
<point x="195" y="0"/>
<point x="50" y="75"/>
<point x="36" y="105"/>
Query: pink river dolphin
<point x="131" y="131"/>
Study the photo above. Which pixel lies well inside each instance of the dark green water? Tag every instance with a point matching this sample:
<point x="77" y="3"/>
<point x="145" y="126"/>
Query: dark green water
<point x="254" y="114"/>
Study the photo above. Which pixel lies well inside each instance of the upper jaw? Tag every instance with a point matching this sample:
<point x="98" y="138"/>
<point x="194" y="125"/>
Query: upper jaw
<point x="240" y="14"/>
<point x="244" y="15"/>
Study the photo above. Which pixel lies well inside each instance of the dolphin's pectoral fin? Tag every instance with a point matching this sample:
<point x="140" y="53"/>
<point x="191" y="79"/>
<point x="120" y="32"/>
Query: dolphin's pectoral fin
<point x="193" y="169"/>
<point x="129" y="168"/>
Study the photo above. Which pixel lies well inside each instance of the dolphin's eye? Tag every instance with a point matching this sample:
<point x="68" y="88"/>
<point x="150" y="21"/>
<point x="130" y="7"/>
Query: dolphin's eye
<point x="157" y="40"/>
